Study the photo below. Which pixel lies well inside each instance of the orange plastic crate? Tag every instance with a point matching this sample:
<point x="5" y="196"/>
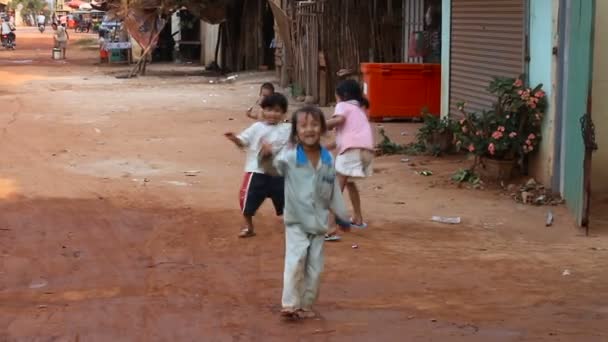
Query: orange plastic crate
<point x="402" y="91"/>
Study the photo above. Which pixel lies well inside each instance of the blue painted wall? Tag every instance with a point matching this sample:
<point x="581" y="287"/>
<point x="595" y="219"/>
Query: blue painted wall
<point x="543" y="16"/>
<point x="541" y="42"/>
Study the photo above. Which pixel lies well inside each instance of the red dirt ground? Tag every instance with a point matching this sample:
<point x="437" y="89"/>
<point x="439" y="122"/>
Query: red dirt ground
<point x="103" y="237"/>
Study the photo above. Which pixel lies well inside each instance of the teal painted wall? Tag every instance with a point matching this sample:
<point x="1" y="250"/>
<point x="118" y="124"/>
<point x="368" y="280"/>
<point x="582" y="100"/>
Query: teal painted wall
<point x="577" y="74"/>
<point x="543" y="17"/>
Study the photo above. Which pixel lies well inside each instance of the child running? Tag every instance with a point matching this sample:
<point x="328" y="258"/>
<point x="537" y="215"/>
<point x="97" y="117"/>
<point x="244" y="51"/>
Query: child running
<point x="258" y="184"/>
<point x="266" y="90"/>
<point x="355" y="143"/>
<point x="311" y="192"/>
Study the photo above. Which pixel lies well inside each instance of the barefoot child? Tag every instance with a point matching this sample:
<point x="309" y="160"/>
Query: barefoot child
<point x="258" y="184"/>
<point x="266" y="90"/>
<point x="355" y="144"/>
<point x="311" y="192"/>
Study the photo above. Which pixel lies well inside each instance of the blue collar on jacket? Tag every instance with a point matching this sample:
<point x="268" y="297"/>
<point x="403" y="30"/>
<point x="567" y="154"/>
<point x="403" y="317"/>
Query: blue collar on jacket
<point x="301" y="158"/>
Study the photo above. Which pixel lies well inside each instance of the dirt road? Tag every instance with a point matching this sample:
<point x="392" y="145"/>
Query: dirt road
<point x="105" y="236"/>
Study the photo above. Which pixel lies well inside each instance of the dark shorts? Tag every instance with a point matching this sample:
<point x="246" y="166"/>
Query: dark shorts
<point x="256" y="188"/>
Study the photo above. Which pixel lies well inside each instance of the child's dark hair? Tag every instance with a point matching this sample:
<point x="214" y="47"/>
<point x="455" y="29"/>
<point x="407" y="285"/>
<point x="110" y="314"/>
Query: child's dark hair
<point x="313" y="111"/>
<point x="275" y="100"/>
<point x="267" y="86"/>
<point x="364" y="102"/>
<point x="349" y="90"/>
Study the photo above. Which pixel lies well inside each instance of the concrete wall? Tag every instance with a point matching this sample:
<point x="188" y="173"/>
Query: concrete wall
<point x="543" y="23"/>
<point x="600" y="98"/>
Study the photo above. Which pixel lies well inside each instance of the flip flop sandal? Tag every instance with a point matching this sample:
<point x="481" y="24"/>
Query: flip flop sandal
<point x="332" y="238"/>
<point x="359" y="226"/>
<point x="246" y="233"/>
<point x="289" y="315"/>
<point x="305" y="314"/>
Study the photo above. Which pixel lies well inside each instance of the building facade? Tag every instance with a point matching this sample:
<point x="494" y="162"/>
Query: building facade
<point x="553" y="42"/>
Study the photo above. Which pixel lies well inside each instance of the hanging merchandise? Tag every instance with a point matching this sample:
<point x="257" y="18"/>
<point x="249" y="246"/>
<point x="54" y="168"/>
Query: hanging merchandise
<point x="419" y="45"/>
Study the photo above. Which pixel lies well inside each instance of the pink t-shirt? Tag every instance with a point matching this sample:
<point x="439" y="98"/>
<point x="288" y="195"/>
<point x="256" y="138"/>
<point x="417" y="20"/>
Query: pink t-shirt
<point x="356" y="132"/>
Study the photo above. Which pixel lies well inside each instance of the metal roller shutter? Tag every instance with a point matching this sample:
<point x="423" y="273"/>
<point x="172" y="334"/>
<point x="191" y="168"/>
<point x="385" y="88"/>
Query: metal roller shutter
<point x="487" y="40"/>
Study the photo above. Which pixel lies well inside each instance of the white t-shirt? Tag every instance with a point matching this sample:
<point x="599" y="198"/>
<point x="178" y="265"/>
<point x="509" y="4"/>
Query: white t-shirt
<point x="276" y="135"/>
<point x="6" y="28"/>
<point x="61" y="35"/>
<point x="41" y="19"/>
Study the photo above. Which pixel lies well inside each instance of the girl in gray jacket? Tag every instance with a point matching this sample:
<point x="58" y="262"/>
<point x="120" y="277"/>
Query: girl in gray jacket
<point x="312" y="191"/>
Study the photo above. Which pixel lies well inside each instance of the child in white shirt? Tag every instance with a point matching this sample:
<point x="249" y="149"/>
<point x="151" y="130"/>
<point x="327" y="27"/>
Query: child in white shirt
<point x="259" y="184"/>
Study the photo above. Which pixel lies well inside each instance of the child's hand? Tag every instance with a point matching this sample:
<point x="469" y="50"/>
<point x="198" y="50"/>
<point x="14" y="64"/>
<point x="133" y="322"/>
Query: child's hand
<point x="249" y="113"/>
<point x="266" y="149"/>
<point x="232" y="137"/>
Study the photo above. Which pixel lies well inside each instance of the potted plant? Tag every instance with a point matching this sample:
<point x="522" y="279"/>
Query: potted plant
<point x="509" y="131"/>
<point x="437" y="134"/>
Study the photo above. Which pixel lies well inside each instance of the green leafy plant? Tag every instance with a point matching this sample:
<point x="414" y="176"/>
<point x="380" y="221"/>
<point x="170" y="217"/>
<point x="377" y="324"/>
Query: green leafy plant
<point x="437" y="134"/>
<point x="387" y="146"/>
<point x="466" y="175"/>
<point x="509" y="130"/>
<point x="435" y="125"/>
<point x="30" y="7"/>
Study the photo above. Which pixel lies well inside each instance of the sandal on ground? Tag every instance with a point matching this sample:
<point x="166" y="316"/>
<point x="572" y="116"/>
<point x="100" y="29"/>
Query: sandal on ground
<point x="289" y="315"/>
<point x="332" y="238"/>
<point x="306" y="314"/>
<point x="246" y="233"/>
<point x="358" y="226"/>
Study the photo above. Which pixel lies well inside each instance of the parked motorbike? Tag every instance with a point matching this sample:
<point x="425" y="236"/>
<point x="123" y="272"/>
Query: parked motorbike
<point x="83" y="27"/>
<point x="8" y="41"/>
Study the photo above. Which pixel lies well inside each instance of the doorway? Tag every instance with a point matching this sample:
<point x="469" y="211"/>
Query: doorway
<point x="268" y="35"/>
<point x="576" y="34"/>
<point x="599" y="192"/>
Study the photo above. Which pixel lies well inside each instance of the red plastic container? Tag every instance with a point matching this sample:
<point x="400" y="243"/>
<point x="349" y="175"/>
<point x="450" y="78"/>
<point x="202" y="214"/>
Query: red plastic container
<point x="402" y="91"/>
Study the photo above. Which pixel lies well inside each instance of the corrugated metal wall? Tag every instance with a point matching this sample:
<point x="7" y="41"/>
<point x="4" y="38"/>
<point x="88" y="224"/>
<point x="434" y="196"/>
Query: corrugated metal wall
<point x="487" y="40"/>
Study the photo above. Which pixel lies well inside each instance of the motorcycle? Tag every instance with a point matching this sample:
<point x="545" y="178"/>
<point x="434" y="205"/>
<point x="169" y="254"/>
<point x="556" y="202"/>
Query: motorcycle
<point x="82" y="27"/>
<point x="8" y="41"/>
<point x="41" y="28"/>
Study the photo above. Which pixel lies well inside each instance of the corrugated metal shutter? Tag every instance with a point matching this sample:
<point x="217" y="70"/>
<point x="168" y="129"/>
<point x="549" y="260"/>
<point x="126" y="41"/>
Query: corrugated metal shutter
<point x="487" y="40"/>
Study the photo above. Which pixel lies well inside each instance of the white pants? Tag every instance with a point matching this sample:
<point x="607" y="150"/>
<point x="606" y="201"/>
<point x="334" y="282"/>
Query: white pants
<point x="303" y="268"/>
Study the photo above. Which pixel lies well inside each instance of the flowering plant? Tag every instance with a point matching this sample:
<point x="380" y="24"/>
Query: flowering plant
<point x="511" y="128"/>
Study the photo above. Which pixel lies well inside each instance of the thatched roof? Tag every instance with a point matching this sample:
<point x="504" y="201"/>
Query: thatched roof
<point x="212" y="11"/>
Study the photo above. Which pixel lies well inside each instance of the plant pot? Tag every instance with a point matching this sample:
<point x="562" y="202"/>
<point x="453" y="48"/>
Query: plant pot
<point x="495" y="170"/>
<point x="440" y="140"/>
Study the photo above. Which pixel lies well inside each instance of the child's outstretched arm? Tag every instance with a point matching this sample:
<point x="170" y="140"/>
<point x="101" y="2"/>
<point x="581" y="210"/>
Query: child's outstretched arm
<point x="335" y="121"/>
<point x="252" y="115"/>
<point x="245" y="138"/>
<point x="232" y="137"/>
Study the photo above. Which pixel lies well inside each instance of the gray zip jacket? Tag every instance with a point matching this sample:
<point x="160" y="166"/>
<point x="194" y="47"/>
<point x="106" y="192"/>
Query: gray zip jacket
<point x="310" y="193"/>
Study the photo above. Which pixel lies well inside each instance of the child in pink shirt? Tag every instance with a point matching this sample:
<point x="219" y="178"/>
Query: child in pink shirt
<point x="355" y="143"/>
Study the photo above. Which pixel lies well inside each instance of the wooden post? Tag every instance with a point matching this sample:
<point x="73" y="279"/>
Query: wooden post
<point x="322" y="80"/>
